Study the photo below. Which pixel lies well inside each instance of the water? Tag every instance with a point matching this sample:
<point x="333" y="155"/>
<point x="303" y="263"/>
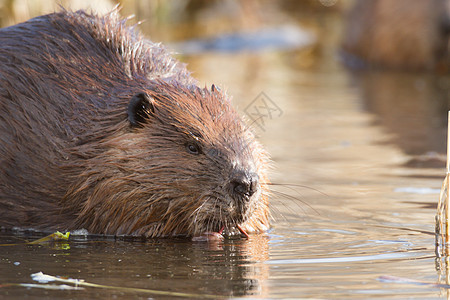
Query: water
<point x="358" y="164"/>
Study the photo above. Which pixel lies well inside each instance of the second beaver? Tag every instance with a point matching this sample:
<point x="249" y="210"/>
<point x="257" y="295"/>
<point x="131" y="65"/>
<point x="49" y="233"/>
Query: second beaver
<point x="400" y="34"/>
<point x="104" y="130"/>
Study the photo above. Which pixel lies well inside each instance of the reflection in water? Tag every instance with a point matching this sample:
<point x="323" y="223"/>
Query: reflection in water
<point x="166" y="265"/>
<point x="410" y="106"/>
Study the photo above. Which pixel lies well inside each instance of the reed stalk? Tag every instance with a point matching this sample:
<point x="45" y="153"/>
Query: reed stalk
<point x="442" y="216"/>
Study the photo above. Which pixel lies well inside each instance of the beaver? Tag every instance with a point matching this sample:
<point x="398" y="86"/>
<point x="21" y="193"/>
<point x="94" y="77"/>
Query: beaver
<point x="105" y="130"/>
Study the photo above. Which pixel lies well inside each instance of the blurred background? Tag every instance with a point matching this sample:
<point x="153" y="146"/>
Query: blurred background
<point x="395" y="52"/>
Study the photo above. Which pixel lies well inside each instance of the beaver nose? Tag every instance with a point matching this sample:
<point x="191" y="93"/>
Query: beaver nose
<point x="244" y="184"/>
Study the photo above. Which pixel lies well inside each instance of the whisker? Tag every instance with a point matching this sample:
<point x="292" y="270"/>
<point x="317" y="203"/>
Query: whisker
<point x="274" y="215"/>
<point x="197" y="210"/>
<point x="291" y="185"/>
<point x="295" y="200"/>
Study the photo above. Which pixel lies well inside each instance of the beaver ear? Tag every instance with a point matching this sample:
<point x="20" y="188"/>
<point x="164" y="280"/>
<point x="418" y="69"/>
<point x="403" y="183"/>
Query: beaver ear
<point x="214" y="88"/>
<point x="139" y="109"/>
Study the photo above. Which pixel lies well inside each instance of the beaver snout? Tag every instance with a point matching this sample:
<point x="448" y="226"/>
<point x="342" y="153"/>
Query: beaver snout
<point x="244" y="184"/>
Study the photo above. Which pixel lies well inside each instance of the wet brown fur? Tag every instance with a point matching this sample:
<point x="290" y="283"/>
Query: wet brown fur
<point x="70" y="159"/>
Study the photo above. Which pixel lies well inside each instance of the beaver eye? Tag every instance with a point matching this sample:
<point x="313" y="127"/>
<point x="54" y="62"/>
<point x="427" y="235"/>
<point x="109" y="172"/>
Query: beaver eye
<point x="193" y="148"/>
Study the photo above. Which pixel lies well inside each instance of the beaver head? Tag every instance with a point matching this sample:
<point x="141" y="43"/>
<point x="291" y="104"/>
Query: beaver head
<point x="184" y="165"/>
